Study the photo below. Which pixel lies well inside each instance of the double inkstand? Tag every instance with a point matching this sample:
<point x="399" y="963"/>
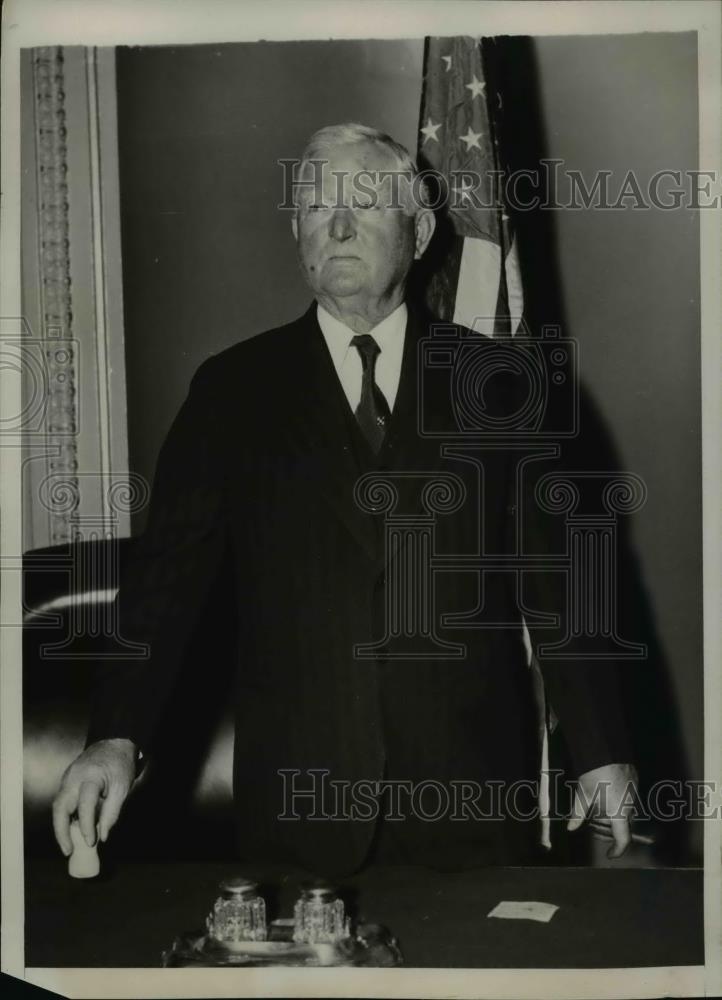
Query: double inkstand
<point x="320" y="933"/>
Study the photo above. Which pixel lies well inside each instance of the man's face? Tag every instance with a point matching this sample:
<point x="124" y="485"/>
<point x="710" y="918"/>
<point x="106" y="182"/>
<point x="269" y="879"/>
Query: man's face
<point x="349" y="247"/>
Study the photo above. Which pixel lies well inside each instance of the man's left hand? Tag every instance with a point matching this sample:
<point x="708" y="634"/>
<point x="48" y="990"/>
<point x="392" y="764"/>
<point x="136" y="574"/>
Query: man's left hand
<point x="605" y="796"/>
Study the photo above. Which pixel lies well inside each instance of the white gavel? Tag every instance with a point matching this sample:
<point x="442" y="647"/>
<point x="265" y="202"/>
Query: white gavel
<point x="84" y="861"/>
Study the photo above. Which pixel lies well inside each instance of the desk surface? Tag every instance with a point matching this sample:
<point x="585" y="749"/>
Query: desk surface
<point x="607" y="917"/>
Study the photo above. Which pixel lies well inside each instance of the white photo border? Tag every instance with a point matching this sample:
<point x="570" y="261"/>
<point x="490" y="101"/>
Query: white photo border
<point x="28" y="23"/>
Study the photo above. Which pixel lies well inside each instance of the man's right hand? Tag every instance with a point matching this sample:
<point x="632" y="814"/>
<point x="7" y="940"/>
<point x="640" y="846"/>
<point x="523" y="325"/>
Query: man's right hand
<point x="95" y="787"/>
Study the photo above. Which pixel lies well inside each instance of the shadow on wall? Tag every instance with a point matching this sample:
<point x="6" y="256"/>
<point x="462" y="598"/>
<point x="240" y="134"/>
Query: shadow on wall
<point x="654" y="718"/>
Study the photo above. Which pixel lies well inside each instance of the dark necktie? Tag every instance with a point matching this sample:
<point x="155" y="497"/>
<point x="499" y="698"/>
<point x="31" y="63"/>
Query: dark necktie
<point x="372" y="411"/>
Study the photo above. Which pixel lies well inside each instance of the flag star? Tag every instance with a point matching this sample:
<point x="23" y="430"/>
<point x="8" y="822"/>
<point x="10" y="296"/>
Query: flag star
<point x="476" y="86"/>
<point x="429" y="130"/>
<point x="471" y="139"/>
<point x="463" y="191"/>
<point x="447" y="60"/>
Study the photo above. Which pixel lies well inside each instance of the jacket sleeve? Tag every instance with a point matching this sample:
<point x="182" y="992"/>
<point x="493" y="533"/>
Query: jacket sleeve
<point x="169" y="575"/>
<point x="585" y="687"/>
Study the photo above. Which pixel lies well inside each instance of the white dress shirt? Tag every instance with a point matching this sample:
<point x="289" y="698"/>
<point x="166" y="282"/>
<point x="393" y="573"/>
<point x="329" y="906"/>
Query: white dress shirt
<point x="389" y="335"/>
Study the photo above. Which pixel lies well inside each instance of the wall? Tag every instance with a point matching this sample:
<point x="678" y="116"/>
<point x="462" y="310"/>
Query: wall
<point x="208" y="260"/>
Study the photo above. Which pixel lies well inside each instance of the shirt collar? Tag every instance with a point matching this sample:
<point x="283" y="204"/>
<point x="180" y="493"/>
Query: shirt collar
<point x="388" y="334"/>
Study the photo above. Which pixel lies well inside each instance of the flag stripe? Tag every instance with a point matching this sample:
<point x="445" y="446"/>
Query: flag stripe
<point x="477" y="288"/>
<point x="514" y="290"/>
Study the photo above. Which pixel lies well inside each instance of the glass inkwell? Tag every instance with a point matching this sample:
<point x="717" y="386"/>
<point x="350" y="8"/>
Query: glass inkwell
<point x="238" y="915"/>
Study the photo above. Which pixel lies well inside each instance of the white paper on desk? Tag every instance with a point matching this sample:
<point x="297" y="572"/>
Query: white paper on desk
<point x="515" y="910"/>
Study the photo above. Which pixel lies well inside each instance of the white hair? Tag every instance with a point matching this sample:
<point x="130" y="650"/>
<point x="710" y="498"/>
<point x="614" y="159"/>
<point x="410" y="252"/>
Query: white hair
<point x="350" y="133"/>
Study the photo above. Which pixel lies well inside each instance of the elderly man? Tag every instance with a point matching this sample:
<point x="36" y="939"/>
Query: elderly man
<point x="264" y="462"/>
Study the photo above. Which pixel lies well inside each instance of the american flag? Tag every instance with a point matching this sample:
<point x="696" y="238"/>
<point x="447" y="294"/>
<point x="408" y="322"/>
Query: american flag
<point x="478" y="283"/>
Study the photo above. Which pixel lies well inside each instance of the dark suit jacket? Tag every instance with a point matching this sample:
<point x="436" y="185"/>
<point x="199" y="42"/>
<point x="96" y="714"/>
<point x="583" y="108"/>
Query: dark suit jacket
<point x="259" y="468"/>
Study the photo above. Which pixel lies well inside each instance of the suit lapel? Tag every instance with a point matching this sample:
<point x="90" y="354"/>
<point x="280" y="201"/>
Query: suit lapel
<point x="406" y="449"/>
<point x="323" y="426"/>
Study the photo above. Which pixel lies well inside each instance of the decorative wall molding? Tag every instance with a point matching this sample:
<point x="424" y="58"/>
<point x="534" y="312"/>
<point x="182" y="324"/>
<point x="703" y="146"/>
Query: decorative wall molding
<point x="55" y="278"/>
<point x="72" y="293"/>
